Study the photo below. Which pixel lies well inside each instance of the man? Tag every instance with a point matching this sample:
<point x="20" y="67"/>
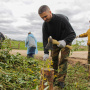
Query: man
<point x="57" y="26"/>
<point x="1" y="39"/>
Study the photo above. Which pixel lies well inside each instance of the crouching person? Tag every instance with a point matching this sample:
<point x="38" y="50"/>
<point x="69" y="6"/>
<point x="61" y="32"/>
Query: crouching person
<point x="2" y="38"/>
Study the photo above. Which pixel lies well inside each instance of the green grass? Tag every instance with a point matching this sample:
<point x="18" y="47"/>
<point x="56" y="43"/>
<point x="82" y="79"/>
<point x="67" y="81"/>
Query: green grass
<point x="79" y="46"/>
<point x="40" y="46"/>
<point x="15" y="45"/>
<point x="77" y="78"/>
<point x="75" y="47"/>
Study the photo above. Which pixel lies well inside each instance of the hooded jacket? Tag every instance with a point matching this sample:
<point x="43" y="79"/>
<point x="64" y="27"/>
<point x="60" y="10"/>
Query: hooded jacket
<point x="27" y="42"/>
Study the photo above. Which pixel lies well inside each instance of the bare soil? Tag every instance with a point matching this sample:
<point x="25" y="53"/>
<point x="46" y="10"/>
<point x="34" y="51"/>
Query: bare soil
<point x="76" y="56"/>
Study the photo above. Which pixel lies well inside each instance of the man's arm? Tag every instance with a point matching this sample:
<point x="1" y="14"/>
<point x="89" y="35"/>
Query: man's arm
<point x="70" y="32"/>
<point x="45" y="38"/>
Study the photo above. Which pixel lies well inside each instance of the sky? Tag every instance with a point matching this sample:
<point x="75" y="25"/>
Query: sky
<point x="18" y="17"/>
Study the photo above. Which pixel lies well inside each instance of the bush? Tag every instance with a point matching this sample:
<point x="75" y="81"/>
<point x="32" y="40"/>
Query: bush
<point x="16" y="71"/>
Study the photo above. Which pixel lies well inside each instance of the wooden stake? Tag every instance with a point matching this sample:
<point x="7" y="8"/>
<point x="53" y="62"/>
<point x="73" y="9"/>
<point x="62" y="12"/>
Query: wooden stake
<point x="47" y="76"/>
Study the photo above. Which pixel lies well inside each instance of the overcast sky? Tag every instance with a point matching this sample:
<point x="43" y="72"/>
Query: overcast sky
<point x="18" y="17"/>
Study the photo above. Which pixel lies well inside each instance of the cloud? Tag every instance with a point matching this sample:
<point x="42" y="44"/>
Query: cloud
<point x="77" y="13"/>
<point x="18" y="17"/>
<point x="34" y="25"/>
<point x="6" y="16"/>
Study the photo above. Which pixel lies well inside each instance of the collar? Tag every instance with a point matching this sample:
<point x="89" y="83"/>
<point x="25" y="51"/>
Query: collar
<point x="53" y="16"/>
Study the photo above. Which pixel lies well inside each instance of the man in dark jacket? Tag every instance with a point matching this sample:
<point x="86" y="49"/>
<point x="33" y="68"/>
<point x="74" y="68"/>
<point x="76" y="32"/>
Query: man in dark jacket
<point x="1" y="39"/>
<point x="57" y="26"/>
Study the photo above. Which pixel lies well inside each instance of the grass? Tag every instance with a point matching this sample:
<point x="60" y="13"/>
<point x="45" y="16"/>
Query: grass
<point x="77" y="78"/>
<point x="79" y="46"/>
<point x="15" y="44"/>
<point x="75" y="47"/>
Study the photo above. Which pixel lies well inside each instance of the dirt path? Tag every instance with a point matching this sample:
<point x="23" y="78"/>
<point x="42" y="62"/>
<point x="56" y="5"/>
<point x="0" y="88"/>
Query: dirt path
<point x="77" y="54"/>
<point x="80" y="56"/>
<point x="24" y="52"/>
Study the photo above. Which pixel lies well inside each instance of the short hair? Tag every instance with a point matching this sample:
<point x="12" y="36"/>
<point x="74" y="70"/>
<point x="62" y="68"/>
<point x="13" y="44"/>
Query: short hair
<point x="43" y="8"/>
<point x="29" y="33"/>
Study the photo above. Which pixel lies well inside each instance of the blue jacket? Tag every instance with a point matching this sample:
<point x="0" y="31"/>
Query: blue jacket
<point x="27" y="42"/>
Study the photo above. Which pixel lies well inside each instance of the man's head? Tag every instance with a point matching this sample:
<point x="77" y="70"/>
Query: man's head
<point x="29" y="33"/>
<point x="45" y="13"/>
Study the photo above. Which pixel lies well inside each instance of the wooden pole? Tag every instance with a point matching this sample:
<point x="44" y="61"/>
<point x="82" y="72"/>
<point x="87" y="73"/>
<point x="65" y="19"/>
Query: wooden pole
<point x="47" y="76"/>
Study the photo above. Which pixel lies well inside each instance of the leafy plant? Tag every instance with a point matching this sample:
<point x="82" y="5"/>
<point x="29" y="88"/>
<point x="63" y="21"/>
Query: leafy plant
<point x="21" y="73"/>
<point x="79" y="46"/>
<point x="16" y="71"/>
<point x="77" y="77"/>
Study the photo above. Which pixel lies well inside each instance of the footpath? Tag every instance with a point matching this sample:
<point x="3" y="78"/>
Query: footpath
<point x="76" y="56"/>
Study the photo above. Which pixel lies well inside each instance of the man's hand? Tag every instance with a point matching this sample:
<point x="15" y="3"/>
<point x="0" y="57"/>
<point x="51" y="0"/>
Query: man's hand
<point x="45" y="57"/>
<point x="62" y="43"/>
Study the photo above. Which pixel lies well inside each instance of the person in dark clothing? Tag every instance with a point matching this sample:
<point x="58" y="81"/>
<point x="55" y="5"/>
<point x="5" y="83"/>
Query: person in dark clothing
<point x="59" y="27"/>
<point x="1" y="39"/>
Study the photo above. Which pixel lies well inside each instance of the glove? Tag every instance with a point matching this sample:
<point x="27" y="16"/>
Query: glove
<point x="45" y="57"/>
<point x="62" y="43"/>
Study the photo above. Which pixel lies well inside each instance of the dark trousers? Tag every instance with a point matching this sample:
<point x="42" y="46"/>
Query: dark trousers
<point x="31" y="52"/>
<point x="88" y="54"/>
<point x="60" y="66"/>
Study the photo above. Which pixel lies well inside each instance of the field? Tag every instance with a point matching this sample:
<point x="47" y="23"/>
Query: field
<point x="19" y="73"/>
<point x="79" y="46"/>
<point x="21" y="45"/>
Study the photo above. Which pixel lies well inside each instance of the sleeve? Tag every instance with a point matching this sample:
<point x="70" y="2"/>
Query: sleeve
<point x="84" y="34"/>
<point x="69" y="32"/>
<point x="45" y="38"/>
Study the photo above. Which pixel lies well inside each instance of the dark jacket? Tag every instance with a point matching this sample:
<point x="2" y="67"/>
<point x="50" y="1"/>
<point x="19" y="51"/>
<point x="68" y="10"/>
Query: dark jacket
<point x="2" y="37"/>
<point x="59" y="28"/>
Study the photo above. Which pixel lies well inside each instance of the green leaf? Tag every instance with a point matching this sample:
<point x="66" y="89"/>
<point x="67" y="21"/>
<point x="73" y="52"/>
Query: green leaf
<point x="1" y="86"/>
